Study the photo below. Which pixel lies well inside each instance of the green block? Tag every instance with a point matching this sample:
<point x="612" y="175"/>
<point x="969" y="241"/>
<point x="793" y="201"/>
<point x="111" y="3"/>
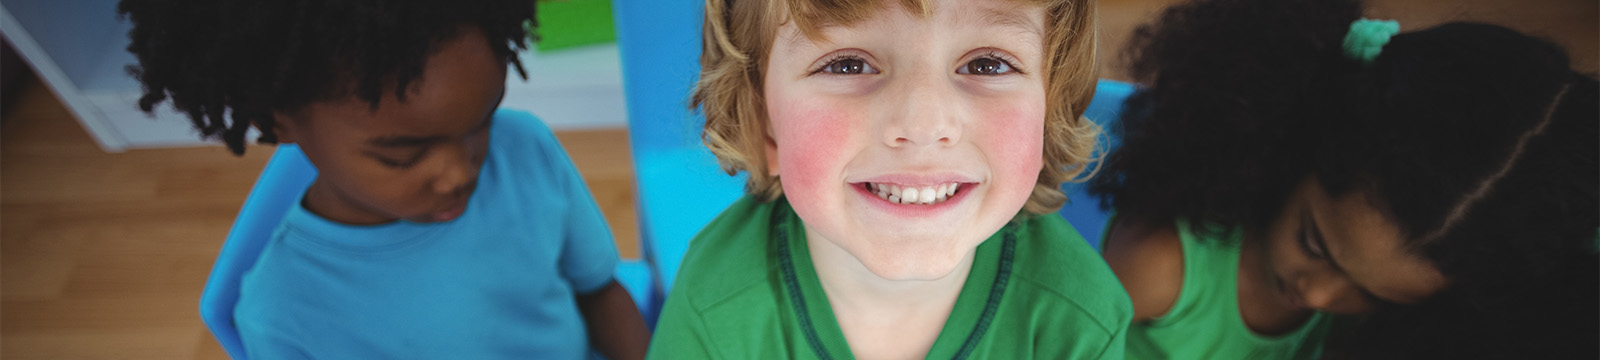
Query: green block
<point x="572" y="23"/>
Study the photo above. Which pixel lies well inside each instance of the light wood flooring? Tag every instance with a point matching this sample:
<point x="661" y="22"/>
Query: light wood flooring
<point x="103" y="256"/>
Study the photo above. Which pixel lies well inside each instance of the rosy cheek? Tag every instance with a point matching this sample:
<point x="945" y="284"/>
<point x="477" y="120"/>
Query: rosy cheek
<point x="811" y="142"/>
<point x="1014" y="139"/>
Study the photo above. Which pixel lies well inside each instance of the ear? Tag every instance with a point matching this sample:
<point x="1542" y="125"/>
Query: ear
<point x="772" y="156"/>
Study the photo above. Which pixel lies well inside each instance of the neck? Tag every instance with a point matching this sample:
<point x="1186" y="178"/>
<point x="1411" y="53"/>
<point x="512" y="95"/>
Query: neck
<point x="885" y="318"/>
<point x="845" y="278"/>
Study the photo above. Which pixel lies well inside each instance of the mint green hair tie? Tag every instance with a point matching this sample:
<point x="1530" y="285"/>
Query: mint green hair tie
<point x="1367" y="38"/>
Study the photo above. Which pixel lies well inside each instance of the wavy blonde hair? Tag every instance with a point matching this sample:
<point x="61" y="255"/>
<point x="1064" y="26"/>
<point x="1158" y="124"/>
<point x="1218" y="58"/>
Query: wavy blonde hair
<point x="738" y="35"/>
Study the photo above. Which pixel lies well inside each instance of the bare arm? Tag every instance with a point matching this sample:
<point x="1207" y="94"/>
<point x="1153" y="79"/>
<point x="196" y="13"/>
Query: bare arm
<point x="1148" y="259"/>
<point x="615" y="327"/>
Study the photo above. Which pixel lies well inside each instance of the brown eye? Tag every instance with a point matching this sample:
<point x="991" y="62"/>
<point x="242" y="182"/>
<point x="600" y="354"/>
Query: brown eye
<point x="985" y="66"/>
<point x="849" y="66"/>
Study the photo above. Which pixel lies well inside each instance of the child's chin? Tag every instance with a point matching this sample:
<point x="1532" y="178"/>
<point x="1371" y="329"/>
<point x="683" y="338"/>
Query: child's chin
<point x="923" y="266"/>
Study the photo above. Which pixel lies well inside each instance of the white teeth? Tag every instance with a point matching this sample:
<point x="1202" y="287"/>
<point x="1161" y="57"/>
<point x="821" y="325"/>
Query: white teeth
<point x="926" y="195"/>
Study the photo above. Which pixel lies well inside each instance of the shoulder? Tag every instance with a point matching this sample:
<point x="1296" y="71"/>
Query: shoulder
<point x="730" y="255"/>
<point x="271" y="289"/>
<point x="525" y="154"/>
<point x="521" y="135"/>
<point x="1054" y="265"/>
<point x="725" y="290"/>
<point x="520" y="125"/>
<point x="1148" y="259"/>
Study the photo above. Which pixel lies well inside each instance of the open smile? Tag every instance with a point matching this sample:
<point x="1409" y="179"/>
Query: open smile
<point x="914" y="195"/>
<point x="913" y="200"/>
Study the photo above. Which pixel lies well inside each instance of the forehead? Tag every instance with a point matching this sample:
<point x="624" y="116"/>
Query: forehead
<point x="1371" y="248"/>
<point x="461" y="81"/>
<point x="814" y="20"/>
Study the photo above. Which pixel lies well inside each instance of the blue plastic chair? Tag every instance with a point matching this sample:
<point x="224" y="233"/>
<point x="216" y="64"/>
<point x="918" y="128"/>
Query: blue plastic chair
<point x="680" y="187"/>
<point x="1082" y="209"/>
<point x="285" y="177"/>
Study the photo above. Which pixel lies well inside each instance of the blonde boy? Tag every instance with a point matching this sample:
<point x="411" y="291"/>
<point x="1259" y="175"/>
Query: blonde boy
<point x="901" y="154"/>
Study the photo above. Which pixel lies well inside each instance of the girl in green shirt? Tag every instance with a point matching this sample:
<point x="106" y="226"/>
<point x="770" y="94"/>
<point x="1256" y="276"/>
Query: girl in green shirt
<point x="1286" y="161"/>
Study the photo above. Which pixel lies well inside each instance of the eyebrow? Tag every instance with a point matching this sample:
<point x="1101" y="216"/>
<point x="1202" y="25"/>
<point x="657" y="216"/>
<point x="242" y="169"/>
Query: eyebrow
<point x="796" y="40"/>
<point x="421" y="141"/>
<point x="405" y="141"/>
<point x="1011" y="19"/>
<point x="424" y="141"/>
<point x="1007" y="18"/>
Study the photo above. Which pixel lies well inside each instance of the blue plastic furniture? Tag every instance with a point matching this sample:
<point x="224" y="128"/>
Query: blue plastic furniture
<point x="1083" y="210"/>
<point x="680" y="187"/>
<point x="285" y="177"/>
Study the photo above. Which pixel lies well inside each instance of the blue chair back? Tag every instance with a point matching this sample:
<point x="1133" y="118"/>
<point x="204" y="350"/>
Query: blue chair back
<point x="286" y="176"/>
<point x="680" y="186"/>
<point x="1082" y="209"/>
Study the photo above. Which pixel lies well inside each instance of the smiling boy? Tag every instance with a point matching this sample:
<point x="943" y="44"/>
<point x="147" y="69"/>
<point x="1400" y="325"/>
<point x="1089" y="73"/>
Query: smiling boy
<point x="900" y="155"/>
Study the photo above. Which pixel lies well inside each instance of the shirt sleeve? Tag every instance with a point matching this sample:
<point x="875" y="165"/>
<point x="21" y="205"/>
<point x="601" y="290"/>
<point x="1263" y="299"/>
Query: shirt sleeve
<point x="257" y="346"/>
<point x="680" y="333"/>
<point x="1118" y="346"/>
<point x="588" y="253"/>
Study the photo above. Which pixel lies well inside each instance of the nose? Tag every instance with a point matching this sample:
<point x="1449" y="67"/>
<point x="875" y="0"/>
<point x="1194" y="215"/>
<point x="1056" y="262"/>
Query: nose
<point x="924" y="111"/>
<point x="458" y="172"/>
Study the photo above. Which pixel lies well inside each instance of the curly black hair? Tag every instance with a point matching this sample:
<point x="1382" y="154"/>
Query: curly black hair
<point x="1218" y="131"/>
<point x="1480" y="142"/>
<point x="254" y="58"/>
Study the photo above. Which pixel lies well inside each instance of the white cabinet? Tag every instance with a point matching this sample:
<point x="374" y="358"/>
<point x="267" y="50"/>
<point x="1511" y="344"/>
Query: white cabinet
<point x="79" y="48"/>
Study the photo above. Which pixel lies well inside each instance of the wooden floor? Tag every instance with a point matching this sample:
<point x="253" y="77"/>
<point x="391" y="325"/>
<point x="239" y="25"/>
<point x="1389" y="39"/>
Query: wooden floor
<point x="103" y="256"/>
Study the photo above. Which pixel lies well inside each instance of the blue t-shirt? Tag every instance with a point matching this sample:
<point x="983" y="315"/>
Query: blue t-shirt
<point x="498" y="282"/>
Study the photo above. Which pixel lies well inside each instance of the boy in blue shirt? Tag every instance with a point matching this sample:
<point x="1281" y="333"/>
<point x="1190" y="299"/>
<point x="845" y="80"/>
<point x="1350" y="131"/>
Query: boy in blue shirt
<point x="438" y="226"/>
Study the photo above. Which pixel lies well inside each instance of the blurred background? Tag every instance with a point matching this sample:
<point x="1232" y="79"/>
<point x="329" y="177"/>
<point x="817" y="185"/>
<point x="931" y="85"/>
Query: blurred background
<point x="110" y="220"/>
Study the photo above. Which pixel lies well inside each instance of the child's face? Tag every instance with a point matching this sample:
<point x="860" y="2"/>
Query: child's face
<point x="1340" y="255"/>
<point x="416" y="160"/>
<point x="895" y="104"/>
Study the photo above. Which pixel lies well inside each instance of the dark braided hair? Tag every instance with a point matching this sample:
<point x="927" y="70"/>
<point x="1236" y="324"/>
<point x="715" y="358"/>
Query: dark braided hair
<point x="1479" y="142"/>
<point x="245" y="60"/>
<point x="1484" y="147"/>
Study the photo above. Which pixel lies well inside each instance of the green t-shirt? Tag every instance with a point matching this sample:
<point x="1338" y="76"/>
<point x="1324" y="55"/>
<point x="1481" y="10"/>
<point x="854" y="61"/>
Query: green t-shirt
<point x="747" y="290"/>
<point x="1204" y="322"/>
